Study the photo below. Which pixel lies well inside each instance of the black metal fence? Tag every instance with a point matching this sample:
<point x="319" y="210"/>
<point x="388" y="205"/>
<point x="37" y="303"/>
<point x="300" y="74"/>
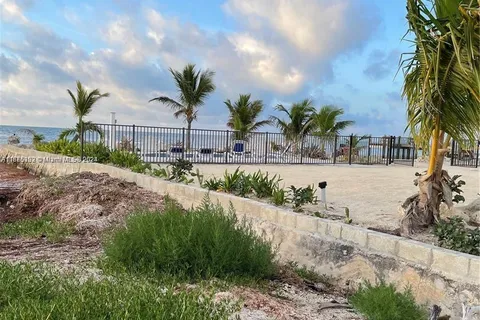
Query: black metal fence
<point x="164" y="145"/>
<point x="465" y="153"/>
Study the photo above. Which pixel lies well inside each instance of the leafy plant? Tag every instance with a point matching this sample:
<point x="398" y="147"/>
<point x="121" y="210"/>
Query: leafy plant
<point x="262" y="186"/>
<point x="141" y="167"/>
<point x="347" y="220"/>
<point x="180" y="169"/>
<point x="384" y="302"/>
<point x="309" y="274"/>
<point x="60" y="146"/>
<point x="125" y="159"/>
<point x="453" y="234"/>
<point x="244" y="185"/>
<point x="197" y="244"/>
<point x="230" y="181"/>
<point x="301" y="196"/>
<point x="97" y="151"/>
<point x="213" y="184"/>
<point x="279" y="197"/>
<point x="45" y="226"/>
<point x="454" y="186"/>
<point x="160" y="172"/>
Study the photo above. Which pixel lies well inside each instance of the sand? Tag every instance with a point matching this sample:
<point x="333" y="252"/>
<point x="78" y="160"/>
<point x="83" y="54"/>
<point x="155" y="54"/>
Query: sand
<point x="372" y="193"/>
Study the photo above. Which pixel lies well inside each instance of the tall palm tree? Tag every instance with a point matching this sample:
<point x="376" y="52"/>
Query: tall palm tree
<point x="83" y="104"/>
<point x="326" y="123"/>
<point x="442" y="77"/>
<point x="243" y="116"/>
<point x="88" y="126"/>
<point x="299" y="121"/>
<point x="194" y="87"/>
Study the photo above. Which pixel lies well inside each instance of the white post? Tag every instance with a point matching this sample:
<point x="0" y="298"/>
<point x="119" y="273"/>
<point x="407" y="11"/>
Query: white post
<point x="112" y="131"/>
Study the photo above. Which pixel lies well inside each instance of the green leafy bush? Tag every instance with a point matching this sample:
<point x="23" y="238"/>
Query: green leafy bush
<point x="60" y="146"/>
<point x="231" y="180"/>
<point x="279" y="197"/>
<point x="45" y="226"/>
<point x="453" y="234"/>
<point x="384" y="302"/>
<point x="97" y="151"/>
<point x="197" y="244"/>
<point x="141" y="167"/>
<point x="301" y="196"/>
<point x="212" y="184"/>
<point x="263" y="186"/>
<point x="38" y="292"/>
<point x="180" y="169"/>
<point x="125" y="159"/>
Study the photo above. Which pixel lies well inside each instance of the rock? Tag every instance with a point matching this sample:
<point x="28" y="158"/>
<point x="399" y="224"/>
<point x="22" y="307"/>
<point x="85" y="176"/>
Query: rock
<point x="471" y="212"/>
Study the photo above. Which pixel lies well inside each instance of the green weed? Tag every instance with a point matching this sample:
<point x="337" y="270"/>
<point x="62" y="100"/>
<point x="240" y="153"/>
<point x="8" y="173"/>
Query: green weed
<point x="45" y="226"/>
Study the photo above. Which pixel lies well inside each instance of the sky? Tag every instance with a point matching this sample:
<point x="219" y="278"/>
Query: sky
<point x="339" y="52"/>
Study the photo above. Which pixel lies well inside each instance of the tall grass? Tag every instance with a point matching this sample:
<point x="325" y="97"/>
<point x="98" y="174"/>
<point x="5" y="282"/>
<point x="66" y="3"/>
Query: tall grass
<point x="45" y="226"/>
<point x="198" y="244"/>
<point x="384" y="302"/>
<point x="36" y="292"/>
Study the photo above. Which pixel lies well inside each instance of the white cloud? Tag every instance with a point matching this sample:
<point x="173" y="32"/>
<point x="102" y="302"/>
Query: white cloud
<point x="12" y="12"/>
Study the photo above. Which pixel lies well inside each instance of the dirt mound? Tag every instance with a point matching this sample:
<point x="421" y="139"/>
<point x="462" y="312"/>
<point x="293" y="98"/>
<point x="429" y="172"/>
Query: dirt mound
<point x="94" y="202"/>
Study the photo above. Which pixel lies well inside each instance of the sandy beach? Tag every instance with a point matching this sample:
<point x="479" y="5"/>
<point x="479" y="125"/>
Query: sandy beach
<point x="372" y="193"/>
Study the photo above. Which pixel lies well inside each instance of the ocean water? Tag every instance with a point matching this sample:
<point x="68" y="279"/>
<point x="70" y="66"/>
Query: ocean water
<point x="26" y="138"/>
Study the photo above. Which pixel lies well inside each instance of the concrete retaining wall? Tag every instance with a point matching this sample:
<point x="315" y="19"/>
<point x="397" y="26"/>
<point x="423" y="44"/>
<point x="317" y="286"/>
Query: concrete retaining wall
<point x="346" y="252"/>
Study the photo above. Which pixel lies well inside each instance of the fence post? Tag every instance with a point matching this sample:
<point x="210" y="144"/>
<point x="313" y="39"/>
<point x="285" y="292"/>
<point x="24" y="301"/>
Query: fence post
<point x="478" y="153"/>
<point x="301" y="150"/>
<point x="368" y="155"/>
<point x="335" y="150"/>
<point x="183" y="143"/>
<point x="350" y="150"/>
<point x="133" y="139"/>
<point x="452" y="153"/>
<point x="226" y="146"/>
<point x="266" y="146"/>
<point x="388" y="151"/>
<point x="414" y="152"/>
<point x="398" y="147"/>
<point x="81" y="141"/>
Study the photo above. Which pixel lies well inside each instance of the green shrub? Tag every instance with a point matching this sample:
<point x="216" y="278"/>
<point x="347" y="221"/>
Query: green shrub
<point x="198" y="244"/>
<point x="213" y="184"/>
<point x="37" y="292"/>
<point x="231" y="180"/>
<point x="279" y="197"/>
<point x="263" y="186"/>
<point x="46" y="226"/>
<point x="60" y="146"/>
<point x="97" y="151"/>
<point x="141" y="167"/>
<point x="180" y="170"/>
<point x="453" y="234"/>
<point x="384" y="302"/>
<point x="309" y="274"/>
<point x="301" y="196"/>
<point x="125" y="159"/>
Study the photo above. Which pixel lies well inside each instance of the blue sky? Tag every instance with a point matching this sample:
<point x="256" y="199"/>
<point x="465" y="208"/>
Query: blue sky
<point x="341" y="52"/>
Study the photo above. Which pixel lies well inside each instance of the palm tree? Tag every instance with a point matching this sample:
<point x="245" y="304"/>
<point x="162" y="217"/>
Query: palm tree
<point x="326" y="124"/>
<point x="36" y="137"/>
<point x="299" y="121"/>
<point x="82" y="106"/>
<point x="243" y="116"/>
<point x="194" y="87"/>
<point x="441" y="84"/>
<point x="88" y="126"/>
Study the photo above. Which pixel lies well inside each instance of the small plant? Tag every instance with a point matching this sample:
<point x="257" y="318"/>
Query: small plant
<point x="141" y="167"/>
<point x="453" y="234"/>
<point x="197" y="244"/>
<point x="244" y="185"/>
<point x="301" y="196"/>
<point x="199" y="176"/>
<point x="262" y="186"/>
<point x="384" y="302"/>
<point x="180" y="170"/>
<point x="309" y="274"/>
<point x="213" y="184"/>
<point x="279" y="197"/>
<point x="455" y="187"/>
<point x="160" y="172"/>
<point x="125" y="159"/>
<point x="347" y="220"/>
<point x="45" y="226"/>
<point x="230" y="180"/>
<point x="97" y="151"/>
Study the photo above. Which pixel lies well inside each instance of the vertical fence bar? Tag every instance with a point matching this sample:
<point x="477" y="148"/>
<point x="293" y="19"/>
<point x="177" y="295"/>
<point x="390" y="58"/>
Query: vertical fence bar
<point x="350" y="150"/>
<point x="368" y="151"/>
<point x="478" y="153"/>
<point x="414" y="152"/>
<point x="387" y="162"/>
<point x="183" y="143"/>
<point x="301" y="149"/>
<point x="452" y="153"/>
<point x="133" y="139"/>
<point x="226" y="146"/>
<point x="81" y="141"/>
<point x="266" y="147"/>
<point x="335" y="150"/>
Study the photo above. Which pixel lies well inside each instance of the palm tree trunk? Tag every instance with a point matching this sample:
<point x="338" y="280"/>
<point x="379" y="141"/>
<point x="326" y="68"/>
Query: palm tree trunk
<point x="422" y="209"/>
<point x="189" y="128"/>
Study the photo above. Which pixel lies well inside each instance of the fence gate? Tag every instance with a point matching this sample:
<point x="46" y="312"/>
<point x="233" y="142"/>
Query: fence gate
<point x="465" y="154"/>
